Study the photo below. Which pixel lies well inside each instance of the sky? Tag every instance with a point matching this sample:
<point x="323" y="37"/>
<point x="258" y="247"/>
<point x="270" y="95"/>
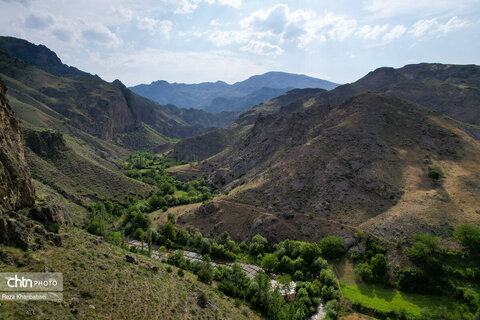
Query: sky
<point x="191" y="41"/>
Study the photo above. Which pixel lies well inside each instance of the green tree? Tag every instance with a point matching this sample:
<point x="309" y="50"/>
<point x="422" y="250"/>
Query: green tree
<point x="469" y="237"/>
<point x="270" y="262"/>
<point x="168" y="231"/>
<point x="257" y="245"/>
<point x="332" y="247"/>
<point x="379" y="266"/>
<point x="434" y="175"/>
<point x="363" y="271"/>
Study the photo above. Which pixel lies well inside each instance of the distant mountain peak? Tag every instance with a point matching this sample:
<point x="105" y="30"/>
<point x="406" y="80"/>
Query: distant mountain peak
<point x="220" y="96"/>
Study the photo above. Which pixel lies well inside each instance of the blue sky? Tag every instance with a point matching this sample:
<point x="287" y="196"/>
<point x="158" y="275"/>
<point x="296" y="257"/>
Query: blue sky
<point x="207" y="40"/>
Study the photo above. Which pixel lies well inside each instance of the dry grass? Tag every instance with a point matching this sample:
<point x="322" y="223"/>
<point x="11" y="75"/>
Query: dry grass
<point x="107" y="287"/>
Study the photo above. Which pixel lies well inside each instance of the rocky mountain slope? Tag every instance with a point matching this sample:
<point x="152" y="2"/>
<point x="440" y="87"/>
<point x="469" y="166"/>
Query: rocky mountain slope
<point x="17" y="189"/>
<point x="79" y="256"/>
<point x="220" y="96"/>
<point x="41" y="57"/>
<point x="451" y="89"/>
<point x="359" y="162"/>
<point x="96" y="123"/>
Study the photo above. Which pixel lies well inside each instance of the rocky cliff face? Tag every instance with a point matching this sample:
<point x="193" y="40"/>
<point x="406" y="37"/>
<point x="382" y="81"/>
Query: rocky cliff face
<point x="17" y="192"/>
<point x="16" y="189"/>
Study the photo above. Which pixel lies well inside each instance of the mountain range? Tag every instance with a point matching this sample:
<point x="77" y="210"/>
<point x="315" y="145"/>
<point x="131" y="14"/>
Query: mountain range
<point x="352" y="162"/>
<point x="357" y="155"/>
<point x="220" y="96"/>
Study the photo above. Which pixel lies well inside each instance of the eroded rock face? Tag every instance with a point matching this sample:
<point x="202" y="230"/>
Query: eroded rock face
<point x="16" y="188"/>
<point x="46" y="143"/>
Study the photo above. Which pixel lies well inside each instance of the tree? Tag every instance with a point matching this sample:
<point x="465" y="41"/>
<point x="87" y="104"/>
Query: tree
<point x="419" y="253"/>
<point x="379" y="266"/>
<point x="429" y="240"/>
<point x="205" y="275"/>
<point x="363" y="271"/>
<point x="469" y="237"/>
<point x="270" y="262"/>
<point x="310" y="251"/>
<point x="257" y="245"/>
<point x="149" y="241"/>
<point x="168" y="231"/>
<point x="434" y="175"/>
<point x="332" y="247"/>
<point x="319" y="265"/>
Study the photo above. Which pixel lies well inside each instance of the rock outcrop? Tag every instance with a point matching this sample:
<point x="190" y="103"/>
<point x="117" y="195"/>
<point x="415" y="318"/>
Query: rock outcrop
<point x="46" y="143"/>
<point x="17" y="192"/>
<point x="16" y="188"/>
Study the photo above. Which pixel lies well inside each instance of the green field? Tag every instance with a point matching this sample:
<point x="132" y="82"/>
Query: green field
<point x="382" y="298"/>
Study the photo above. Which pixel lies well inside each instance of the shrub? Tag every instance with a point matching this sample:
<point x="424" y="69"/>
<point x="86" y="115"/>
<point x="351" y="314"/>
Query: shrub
<point x="181" y="273"/>
<point x="205" y="275"/>
<point x="202" y="300"/>
<point x="434" y="175"/>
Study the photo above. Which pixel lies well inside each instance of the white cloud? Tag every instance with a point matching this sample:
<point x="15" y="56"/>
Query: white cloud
<point x="389" y="8"/>
<point x="370" y="33"/>
<point x="224" y="38"/>
<point x="395" y="32"/>
<point x="101" y="35"/>
<point x="150" y="64"/>
<point x="185" y="7"/>
<point x="231" y="3"/>
<point x="262" y="48"/>
<point x="432" y="26"/>
<point x="154" y="26"/>
<point x="301" y="26"/>
<point x="188" y="6"/>
<point x="39" y="21"/>
<point x="63" y="35"/>
<point x="215" y="23"/>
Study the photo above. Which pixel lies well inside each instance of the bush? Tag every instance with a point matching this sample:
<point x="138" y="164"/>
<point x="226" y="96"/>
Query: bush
<point x="332" y="247"/>
<point x="202" y="300"/>
<point x="181" y="273"/>
<point x="205" y="275"/>
<point x="434" y="175"/>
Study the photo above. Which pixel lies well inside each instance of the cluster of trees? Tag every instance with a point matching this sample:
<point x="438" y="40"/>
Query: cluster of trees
<point x="374" y="266"/>
<point x="259" y="291"/>
<point x="438" y="270"/>
<point x="302" y="261"/>
<point x="151" y="169"/>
